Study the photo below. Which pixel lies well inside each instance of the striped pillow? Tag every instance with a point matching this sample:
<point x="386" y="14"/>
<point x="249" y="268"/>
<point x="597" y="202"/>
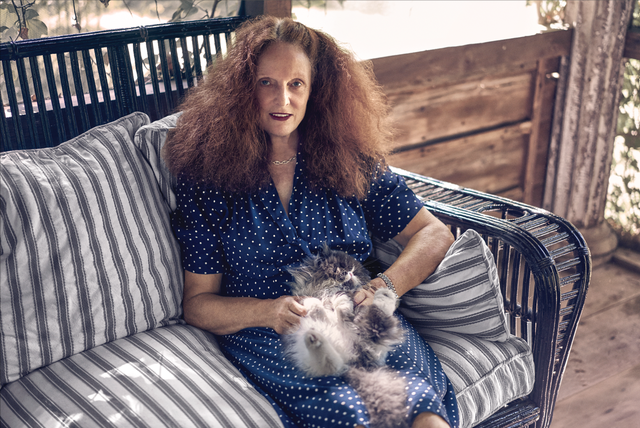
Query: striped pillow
<point x="485" y="375"/>
<point x="87" y="252"/>
<point x="461" y="296"/>
<point x="173" y="376"/>
<point x="149" y="139"/>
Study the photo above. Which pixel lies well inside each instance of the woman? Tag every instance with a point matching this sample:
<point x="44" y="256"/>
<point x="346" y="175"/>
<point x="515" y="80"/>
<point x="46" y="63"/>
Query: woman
<point x="280" y="150"/>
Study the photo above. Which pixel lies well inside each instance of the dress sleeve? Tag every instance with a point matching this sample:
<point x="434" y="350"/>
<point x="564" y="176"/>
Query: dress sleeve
<point x="196" y="223"/>
<point x="389" y="206"/>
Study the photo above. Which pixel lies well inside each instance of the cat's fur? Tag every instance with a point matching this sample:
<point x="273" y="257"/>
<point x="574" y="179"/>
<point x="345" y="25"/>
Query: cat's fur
<point x="334" y="338"/>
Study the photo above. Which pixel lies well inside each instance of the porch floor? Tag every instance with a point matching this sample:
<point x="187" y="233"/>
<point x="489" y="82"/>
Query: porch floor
<point x="601" y="385"/>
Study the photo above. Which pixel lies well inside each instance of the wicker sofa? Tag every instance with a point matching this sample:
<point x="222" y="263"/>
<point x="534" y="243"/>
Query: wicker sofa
<point x="91" y="282"/>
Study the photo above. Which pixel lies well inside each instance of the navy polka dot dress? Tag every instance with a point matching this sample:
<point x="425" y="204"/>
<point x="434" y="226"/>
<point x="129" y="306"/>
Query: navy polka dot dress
<point x="250" y="239"/>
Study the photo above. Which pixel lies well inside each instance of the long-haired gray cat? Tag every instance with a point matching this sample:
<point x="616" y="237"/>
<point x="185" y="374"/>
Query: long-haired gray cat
<point x="336" y="339"/>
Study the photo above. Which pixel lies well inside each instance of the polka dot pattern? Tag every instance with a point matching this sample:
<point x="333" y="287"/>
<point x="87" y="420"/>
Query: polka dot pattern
<point x="251" y="239"/>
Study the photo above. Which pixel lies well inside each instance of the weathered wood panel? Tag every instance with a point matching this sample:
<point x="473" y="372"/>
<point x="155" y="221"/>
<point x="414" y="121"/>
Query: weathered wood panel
<point x="426" y="114"/>
<point x="534" y="173"/>
<point x="460" y="63"/>
<point x="491" y="161"/>
<point x="448" y="104"/>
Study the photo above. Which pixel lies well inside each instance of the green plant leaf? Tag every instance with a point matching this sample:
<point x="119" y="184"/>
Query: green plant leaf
<point x="632" y="141"/>
<point x="37" y="28"/>
<point x="30" y="14"/>
<point x="10" y="34"/>
<point x="8" y="7"/>
<point x="8" y="17"/>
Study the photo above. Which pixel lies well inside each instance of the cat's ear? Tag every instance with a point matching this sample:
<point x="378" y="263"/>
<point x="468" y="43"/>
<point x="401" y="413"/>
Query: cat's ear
<point x="326" y="250"/>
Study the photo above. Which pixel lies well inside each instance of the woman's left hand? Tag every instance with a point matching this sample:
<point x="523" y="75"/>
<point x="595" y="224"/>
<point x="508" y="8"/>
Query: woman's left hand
<point x="365" y="295"/>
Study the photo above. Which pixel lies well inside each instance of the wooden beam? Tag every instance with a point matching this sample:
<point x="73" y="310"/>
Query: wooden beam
<point x="435" y="67"/>
<point x="425" y="115"/>
<point x="543" y="98"/>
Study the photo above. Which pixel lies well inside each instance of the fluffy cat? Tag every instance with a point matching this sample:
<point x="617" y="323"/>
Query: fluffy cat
<point x="336" y="339"/>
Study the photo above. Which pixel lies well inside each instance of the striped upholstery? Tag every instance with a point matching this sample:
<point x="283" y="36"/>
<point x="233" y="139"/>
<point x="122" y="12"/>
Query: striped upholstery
<point x="87" y="254"/>
<point x="485" y="375"/>
<point x="459" y="311"/>
<point x="171" y="376"/>
<point x="461" y="296"/>
<point x="149" y="139"/>
<point x="90" y="308"/>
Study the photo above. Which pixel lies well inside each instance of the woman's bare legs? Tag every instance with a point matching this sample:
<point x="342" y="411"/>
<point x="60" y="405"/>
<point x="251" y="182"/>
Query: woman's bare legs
<point x="429" y="420"/>
<point x="426" y="420"/>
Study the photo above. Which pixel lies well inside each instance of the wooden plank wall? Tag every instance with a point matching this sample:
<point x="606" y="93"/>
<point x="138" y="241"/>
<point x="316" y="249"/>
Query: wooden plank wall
<point x="477" y="115"/>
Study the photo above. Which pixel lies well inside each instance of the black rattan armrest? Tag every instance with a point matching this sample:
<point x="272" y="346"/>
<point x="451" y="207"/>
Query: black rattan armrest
<point x="545" y="268"/>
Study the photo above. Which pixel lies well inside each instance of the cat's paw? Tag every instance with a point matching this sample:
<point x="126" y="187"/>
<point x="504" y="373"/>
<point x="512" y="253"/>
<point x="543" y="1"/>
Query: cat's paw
<point x="312" y="340"/>
<point x="315" y="308"/>
<point x="324" y="359"/>
<point x="385" y="300"/>
<point x="342" y="304"/>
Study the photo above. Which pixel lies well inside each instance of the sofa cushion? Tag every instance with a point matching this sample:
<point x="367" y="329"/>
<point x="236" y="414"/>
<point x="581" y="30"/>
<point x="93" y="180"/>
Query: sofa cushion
<point x="87" y="251"/>
<point x="149" y="139"/>
<point x="459" y="311"/>
<point x="462" y="295"/>
<point x="485" y="375"/>
<point x="170" y="376"/>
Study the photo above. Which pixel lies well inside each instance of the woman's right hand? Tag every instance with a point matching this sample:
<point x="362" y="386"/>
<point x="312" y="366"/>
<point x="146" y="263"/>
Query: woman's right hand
<point x="286" y="313"/>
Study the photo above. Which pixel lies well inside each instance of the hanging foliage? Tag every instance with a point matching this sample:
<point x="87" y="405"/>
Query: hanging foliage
<point x="18" y="20"/>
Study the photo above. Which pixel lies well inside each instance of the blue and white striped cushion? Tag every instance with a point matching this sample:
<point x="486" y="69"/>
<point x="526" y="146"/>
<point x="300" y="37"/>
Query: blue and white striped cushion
<point x="171" y="376"/>
<point x="485" y="375"/>
<point x="87" y="254"/>
<point x="461" y="296"/>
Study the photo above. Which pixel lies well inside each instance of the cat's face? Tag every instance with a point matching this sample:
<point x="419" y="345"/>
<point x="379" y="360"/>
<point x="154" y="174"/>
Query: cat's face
<point x="336" y="270"/>
<point x="339" y="268"/>
<point x="329" y="272"/>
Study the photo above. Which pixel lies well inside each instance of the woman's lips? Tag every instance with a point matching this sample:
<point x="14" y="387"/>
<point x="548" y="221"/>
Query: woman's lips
<point x="280" y="116"/>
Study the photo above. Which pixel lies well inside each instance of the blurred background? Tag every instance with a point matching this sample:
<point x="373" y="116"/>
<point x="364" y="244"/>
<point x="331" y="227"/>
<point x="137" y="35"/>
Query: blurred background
<point x="371" y="29"/>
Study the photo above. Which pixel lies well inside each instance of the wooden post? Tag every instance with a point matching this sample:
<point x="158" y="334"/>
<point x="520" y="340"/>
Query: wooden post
<point x="277" y="8"/>
<point x="582" y="144"/>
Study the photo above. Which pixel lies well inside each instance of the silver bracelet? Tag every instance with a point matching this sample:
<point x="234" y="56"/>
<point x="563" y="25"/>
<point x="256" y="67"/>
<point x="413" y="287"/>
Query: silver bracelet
<point x="387" y="281"/>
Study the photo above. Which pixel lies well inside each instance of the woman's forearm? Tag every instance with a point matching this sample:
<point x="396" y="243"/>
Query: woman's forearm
<point x="226" y="315"/>
<point x="204" y="307"/>
<point x="420" y="257"/>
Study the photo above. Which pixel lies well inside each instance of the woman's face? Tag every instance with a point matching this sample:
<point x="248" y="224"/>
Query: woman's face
<point x="283" y="88"/>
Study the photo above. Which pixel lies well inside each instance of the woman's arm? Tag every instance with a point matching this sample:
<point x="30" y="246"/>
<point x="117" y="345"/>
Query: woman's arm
<point x="426" y="241"/>
<point x="205" y="308"/>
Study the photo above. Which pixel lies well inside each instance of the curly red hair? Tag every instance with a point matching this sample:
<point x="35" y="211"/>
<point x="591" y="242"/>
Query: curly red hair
<point x="345" y="132"/>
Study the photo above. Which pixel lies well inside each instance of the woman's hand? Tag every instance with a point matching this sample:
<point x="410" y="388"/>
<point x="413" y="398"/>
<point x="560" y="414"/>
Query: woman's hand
<point x="365" y="295"/>
<point x="287" y="312"/>
<point x="205" y="308"/>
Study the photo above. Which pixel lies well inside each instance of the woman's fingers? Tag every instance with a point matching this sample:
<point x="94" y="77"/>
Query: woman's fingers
<point x="364" y="296"/>
<point x="288" y="313"/>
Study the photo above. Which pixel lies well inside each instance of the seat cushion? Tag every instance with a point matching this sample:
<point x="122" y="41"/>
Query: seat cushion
<point x="170" y="376"/>
<point x="486" y="375"/>
<point x="459" y="311"/>
<point x="88" y="254"/>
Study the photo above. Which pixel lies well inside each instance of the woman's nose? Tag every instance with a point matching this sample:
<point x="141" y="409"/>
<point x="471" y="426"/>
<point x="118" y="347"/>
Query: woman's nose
<point x="282" y="96"/>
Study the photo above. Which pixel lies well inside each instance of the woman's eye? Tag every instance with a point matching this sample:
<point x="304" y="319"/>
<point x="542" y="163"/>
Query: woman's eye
<point x="297" y="84"/>
<point x="264" y="82"/>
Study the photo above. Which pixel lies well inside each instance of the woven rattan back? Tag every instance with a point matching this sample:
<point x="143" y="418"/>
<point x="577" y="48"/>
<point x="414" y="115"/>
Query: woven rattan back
<point x="59" y="87"/>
